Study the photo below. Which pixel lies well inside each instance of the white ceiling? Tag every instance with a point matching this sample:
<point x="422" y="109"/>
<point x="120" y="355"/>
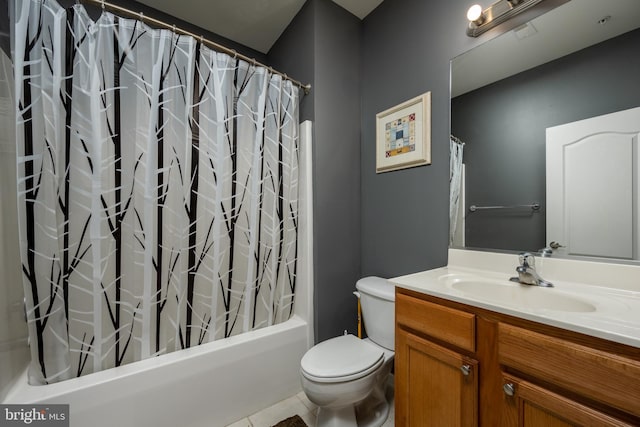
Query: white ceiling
<point x="253" y="23"/>
<point x="359" y="8"/>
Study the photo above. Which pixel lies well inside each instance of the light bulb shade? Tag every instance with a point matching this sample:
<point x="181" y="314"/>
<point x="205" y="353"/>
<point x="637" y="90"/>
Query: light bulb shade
<point x="474" y="13"/>
<point x="517" y="12"/>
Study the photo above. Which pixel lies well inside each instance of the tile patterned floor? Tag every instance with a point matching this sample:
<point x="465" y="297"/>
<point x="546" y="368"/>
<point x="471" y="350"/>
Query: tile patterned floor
<point x="298" y="404"/>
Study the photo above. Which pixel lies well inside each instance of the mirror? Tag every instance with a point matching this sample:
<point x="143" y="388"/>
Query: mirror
<point x="575" y="62"/>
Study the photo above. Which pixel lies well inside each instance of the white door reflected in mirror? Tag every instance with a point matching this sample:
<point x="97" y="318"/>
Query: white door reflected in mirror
<point x="593" y="186"/>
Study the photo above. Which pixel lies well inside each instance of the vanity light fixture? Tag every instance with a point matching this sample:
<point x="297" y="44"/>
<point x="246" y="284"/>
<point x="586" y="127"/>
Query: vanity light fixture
<point x="502" y="11"/>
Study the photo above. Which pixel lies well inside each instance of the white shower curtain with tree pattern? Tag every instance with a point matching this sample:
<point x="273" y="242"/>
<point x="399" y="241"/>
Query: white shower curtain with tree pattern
<point x="157" y="190"/>
<point x="456" y="149"/>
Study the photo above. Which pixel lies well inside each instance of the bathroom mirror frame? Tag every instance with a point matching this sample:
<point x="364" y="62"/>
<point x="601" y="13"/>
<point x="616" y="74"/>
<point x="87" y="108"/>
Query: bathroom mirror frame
<point x="483" y="60"/>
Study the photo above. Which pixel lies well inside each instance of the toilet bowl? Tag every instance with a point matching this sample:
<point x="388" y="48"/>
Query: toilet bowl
<point x="347" y="377"/>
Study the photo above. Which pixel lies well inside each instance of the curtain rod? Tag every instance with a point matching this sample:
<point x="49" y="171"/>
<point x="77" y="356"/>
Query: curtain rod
<point x="218" y="47"/>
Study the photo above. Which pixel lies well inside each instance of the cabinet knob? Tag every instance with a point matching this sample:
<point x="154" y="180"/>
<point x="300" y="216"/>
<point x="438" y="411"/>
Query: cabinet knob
<point x="509" y="389"/>
<point x="465" y="369"/>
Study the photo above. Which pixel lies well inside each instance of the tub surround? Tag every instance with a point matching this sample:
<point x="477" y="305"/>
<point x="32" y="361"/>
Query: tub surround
<point x="603" y="299"/>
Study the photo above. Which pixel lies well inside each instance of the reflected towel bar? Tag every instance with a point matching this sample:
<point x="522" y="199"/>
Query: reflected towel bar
<point x="533" y="207"/>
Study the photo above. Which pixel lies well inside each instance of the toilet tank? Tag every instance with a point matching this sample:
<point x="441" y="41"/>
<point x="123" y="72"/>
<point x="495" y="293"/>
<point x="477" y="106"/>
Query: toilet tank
<point x="377" y="299"/>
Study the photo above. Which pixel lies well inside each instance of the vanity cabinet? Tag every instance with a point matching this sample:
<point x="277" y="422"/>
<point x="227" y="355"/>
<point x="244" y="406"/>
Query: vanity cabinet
<point x="460" y="365"/>
<point x="529" y="405"/>
<point x="436" y="385"/>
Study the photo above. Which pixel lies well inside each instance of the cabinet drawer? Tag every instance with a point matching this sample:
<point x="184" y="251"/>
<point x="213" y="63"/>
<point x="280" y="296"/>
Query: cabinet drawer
<point x="595" y="374"/>
<point x="531" y="404"/>
<point x="447" y="324"/>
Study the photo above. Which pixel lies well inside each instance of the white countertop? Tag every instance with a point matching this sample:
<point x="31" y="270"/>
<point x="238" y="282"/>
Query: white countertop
<point x="611" y="291"/>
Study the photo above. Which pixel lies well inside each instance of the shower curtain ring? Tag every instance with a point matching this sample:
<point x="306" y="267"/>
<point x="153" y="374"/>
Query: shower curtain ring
<point x="102" y="4"/>
<point x="141" y="16"/>
<point x="235" y="54"/>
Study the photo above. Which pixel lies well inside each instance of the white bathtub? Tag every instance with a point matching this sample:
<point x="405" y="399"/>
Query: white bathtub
<point x="210" y="385"/>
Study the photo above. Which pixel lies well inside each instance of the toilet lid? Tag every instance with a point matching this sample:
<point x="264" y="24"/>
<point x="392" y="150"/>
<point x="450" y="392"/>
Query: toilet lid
<point x="342" y="358"/>
<point x="378" y="287"/>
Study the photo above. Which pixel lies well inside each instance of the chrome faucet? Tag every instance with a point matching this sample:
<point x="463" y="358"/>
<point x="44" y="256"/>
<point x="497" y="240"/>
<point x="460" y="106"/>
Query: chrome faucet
<point x="527" y="274"/>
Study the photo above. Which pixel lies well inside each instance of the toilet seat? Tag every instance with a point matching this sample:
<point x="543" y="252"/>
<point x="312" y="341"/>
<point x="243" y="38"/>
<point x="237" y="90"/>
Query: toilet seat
<point x="340" y="359"/>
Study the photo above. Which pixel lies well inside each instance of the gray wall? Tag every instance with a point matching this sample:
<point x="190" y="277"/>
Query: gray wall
<point x="294" y="54"/>
<point x="504" y="127"/>
<point x="327" y="37"/>
<point x="366" y="223"/>
<point x="407" y="46"/>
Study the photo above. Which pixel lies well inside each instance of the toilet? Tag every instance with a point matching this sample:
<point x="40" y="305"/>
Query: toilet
<point x="347" y="377"/>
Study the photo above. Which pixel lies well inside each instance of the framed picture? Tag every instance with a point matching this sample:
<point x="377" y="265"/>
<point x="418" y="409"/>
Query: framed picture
<point x="403" y="135"/>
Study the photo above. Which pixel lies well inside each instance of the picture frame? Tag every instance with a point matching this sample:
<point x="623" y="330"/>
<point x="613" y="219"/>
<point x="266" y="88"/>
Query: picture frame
<point x="403" y="135"/>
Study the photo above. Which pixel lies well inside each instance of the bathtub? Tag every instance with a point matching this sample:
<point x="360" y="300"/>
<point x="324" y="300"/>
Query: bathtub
<point x="210" y="385"/>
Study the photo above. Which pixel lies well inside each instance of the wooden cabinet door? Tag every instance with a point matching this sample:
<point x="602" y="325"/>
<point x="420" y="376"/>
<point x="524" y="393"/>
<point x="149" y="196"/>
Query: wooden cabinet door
<point x="529" y="405"/>
<point x="434" y="385"/>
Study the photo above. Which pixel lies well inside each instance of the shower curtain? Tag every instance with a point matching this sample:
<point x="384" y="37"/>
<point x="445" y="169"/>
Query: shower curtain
<point x="455" y="180"/>
<point x="157" y="190"/>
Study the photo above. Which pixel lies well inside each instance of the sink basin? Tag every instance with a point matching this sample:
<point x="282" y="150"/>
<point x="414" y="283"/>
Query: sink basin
<point x="521" y="296"/>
